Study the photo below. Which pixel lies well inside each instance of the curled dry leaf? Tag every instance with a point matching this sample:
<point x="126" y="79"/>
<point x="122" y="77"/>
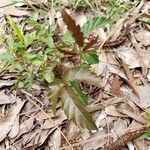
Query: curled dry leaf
<point x="55" y="140"/>
<point x="6" y="83"/>
<point x="15" y="128"/>
<point x="73" y="131"/>
<point x="11" y="10"/>
<point x="129" y="56"/>
<point x="133" y="115"/>
<point x="115" y="86"/>
<point x="143" y="36"/>
<point x="112" y="111"/>
<point x="7" y="122"/>
<point x="6" y="99"/>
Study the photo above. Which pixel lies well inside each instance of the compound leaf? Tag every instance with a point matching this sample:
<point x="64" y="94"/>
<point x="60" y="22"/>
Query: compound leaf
<point x="81" y="74"/>
<point x="75" y="110"/>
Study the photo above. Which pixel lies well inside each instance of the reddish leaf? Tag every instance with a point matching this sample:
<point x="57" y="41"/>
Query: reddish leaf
<point x="67" y="53"/>
<point x="90" y="44"/>
<point x="33" y="147"/>
<point x="72" y="27"/>
<point x="115" y="86"/>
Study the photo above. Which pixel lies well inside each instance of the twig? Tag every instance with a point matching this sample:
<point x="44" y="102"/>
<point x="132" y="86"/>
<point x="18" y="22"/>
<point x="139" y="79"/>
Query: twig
<point x="33" y="97"/>
<point x="124" y="139"/>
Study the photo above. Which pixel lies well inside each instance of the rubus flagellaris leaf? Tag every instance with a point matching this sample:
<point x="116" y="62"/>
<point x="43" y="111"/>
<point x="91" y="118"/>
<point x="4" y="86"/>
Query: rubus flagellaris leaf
<point x="73" y="28"/>
<point x="91" y="58"/>
<point x="66" y="52"/>
<point x="75" y="110"/>
<point x="54" y="99"/>
<point x="94" y="24"/>
<point x="81" y="74"/>
<point x="76" y="88"/>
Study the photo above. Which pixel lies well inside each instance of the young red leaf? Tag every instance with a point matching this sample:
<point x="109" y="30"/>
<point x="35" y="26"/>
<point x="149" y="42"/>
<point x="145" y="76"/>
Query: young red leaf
<point x="72" y="27"/>
<point x="90" y="44"/>
<point x="65" y="52"/>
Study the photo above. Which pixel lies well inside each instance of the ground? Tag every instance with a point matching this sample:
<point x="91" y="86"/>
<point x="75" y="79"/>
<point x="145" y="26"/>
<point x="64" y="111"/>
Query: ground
<point x="86" y="89"/>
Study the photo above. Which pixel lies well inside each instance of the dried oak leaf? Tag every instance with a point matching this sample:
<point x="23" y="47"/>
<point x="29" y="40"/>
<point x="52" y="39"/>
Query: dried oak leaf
<point x="115" y="86"/>
<point x="72" y="27"/>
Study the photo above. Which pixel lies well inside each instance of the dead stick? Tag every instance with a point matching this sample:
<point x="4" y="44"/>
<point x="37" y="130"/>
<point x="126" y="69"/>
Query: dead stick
<point x="124" y="139"/>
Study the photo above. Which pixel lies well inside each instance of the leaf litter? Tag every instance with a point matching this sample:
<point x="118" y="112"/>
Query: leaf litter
<point x="124" y="66"/>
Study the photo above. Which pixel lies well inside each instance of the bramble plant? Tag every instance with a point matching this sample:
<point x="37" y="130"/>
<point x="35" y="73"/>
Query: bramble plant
<point x="35" y="57"/>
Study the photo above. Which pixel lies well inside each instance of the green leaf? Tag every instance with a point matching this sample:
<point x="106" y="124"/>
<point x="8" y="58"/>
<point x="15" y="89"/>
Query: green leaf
<point x="8" y="57"/>
<point x="144" y="136"/>
<point x="67" y="37"/>
<point x="81" y="74"/>
<point x="94" y="24"/>
<point x="54" y="97"/>
<point x="30" y="55"/>
<point x="83" y="97"/>
<point x="15" y="67"/>
<point x="29" y="38"/>
<point x="37" y="62"/>
<point x="50" y="42"/>
<point x="16" y="29"/>
<point x="49" y="76"/>
<point x="91" y="58"/>
<point x="29" y="78"/>
<point x="75" y="110"/>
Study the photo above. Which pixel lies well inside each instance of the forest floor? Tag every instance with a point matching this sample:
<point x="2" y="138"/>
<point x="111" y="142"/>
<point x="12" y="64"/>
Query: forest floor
<point x="35" y="50"/>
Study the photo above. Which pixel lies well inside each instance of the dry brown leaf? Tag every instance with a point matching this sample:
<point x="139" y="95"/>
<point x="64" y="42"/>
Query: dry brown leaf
<point x="73" y="131"/>
<point x="115" y="86"/>
<point x="5" y="83"/>
<point x="79" y="17"/>
<point x="144" y="57"/>
<point x="127" y="70"/>
<point x="129" y="56"/>
<point x="6" y="99"/>
<point x="112" y="111"/>
<point x="143" y="36"/>
<point x="120" y="125"/>
<point x="143" y="54"/>
<point x="144" y="93"/>
<point x="11" y="10"/>
<point x="15" y="128"/>
<point x="72" y="27"/>
<point x="96" y="143"/>
<point x="55" y="140"/>
<point x="133" y="87"/>
<point x="26" y="126"/>
<point x="132" y="115"/>
<point x="7" y="122"/>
